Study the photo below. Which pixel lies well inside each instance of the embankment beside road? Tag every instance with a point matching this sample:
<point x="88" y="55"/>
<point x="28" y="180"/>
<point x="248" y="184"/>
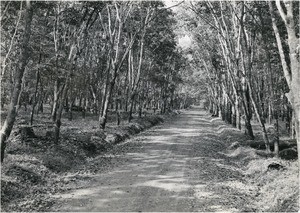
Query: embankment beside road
<point x="35" y="167"/>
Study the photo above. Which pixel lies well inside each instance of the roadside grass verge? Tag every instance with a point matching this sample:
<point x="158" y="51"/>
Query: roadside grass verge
<point x="275" y="180"/>
<point x="35" y="168"/>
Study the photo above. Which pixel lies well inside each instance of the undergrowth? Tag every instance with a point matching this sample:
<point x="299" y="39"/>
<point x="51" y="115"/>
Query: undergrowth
<point x="36" y="168"/>
<point x="277" y="190"/>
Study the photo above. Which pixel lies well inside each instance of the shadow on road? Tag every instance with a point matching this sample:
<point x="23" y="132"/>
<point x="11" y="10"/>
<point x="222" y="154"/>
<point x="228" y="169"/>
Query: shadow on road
<point x="180" y="166"/>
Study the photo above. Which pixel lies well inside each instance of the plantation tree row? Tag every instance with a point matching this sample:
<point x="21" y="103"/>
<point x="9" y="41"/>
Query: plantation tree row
<point x="94" y="57"/>
<point x="249" y="52"/>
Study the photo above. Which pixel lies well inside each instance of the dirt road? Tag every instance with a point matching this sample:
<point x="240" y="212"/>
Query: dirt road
<point x="181" y="165"/>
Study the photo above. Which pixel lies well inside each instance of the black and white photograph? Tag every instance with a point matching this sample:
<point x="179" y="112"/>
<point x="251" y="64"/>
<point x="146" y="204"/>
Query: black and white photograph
<point x="150" y="106"/>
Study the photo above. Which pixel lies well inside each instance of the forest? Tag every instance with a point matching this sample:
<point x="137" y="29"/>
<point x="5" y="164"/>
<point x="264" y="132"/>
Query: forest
<point x="250" y="60"/>
<point x="78" y="77"/>
<point x="92" y="57"/>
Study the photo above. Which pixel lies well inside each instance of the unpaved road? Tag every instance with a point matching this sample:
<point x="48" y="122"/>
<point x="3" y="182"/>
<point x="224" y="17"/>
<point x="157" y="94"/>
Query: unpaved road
<point x="181" y="165"/>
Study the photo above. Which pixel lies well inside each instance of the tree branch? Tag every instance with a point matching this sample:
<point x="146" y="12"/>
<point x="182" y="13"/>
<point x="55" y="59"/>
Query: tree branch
<point x="280" y="9"/>
<point x="285" y="68"/>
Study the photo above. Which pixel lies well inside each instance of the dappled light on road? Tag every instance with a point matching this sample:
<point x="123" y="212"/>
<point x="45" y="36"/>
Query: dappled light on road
<point x="180" y="166"/>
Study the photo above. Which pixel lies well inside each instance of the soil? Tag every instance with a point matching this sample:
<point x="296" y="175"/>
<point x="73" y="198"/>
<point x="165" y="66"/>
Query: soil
<point x="192" y="162"/>
<point x="35" y="167"/>
<point x="187" y="164"/>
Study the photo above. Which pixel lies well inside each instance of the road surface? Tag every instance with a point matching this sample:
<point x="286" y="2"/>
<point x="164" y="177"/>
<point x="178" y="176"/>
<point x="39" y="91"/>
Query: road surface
<point x="180" y="165"/>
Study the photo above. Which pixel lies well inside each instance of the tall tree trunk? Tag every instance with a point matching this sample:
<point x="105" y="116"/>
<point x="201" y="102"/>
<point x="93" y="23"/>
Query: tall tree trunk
<point x="297" y="127"/>
<point x="269" y="113"/>
<point x="55" y="100"/>
<point x="105" y="94"/>
<point x="59" y="111"/>
<point x="35" y="101"/>
<point x="35" y="98"/>
<point x="276" y="140"/>
<point x="12" y="112"/>
<point x="291" y="73"/>
<point x="248" y="114"/>
<point x="293" y="126"/>
<point x="40" y="100"/>
<point x="237" y="113"/>
<point x="233" y="117"/>
<point x="140" y="106"/>
<point x="260" y="120"/>
<point x="132" y="99"/>
<point x="103" y="118"/>
<point x="117" y="112"/>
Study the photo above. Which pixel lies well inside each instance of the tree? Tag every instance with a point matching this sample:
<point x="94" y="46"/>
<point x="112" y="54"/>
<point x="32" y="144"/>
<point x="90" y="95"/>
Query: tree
<point x="89" y="56"/>
<point x="290" y="67"/>
<point x="23" y="60"/>
<point x="240" y="62"/>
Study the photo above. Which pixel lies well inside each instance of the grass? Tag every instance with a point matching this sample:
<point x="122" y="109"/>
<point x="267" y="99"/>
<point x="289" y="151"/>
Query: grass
<point x="35" y="168"/>
<point x="276" y="190"/>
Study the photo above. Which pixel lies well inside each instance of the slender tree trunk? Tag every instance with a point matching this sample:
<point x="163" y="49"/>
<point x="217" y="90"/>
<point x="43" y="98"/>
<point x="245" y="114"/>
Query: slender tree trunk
<point x="118" y="112"/>
<point x="248" y="127"/>
<point x="132" y="98"/>
<point x="35" y="101"/>
<point x="288" y="119"/>
<point x="260" y="120"/>
<point x="127" y="85"/>
<point x="223" y="108"/>
<point x="19" y="102"/>
<point x="293" y="129"/>
<point x="233" y="117"/>
<point x="276" y="140"/>
<point x="103" y="118"/>
<point x="12" y="112"/>
<point x="140" y="107"/>
<point x="238" y="114"/>
<point x="41" y="100"/>
<point x="105" y="93"/>
<point x="248" y="115"/>
<point x="59" y="111"/>
<point x="64" y="91"/>
<point x="270" y="113"/>
<point x="55" y="101"/>
<point x="85" y="100"/>
<point x="70" y="117"/>
<point x="229" y="113"/>
<point x="297" y="127"/>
